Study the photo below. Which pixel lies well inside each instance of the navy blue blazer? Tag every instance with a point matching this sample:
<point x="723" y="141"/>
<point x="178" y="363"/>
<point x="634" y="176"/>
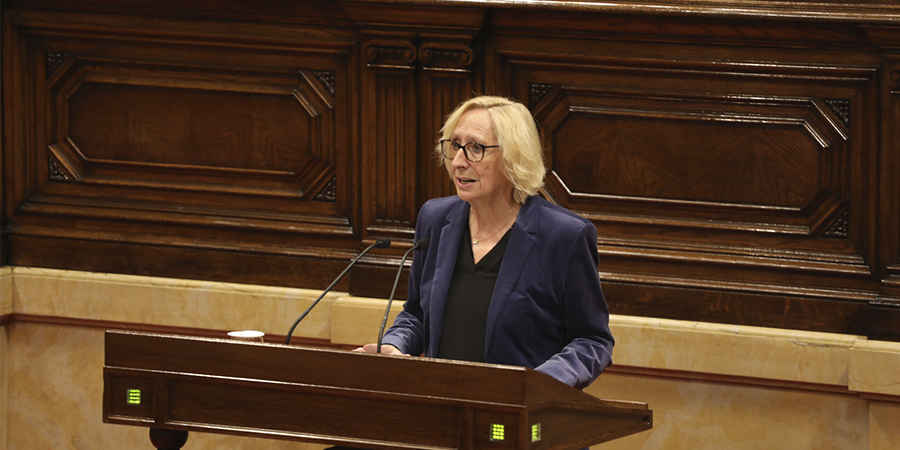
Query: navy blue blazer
<point x="547" y="310"/>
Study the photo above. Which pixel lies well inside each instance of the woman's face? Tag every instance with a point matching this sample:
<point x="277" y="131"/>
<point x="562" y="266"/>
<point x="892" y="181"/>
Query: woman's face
<point x="483" y="182"/>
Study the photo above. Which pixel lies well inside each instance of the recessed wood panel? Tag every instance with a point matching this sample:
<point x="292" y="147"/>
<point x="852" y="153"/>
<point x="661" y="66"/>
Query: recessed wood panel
<point x="316" y="411"/>
<point x="781" y="162"/>
<point x="189" y="127"/>
<point x="258" y="134"/>
<point x="691" y="160"/>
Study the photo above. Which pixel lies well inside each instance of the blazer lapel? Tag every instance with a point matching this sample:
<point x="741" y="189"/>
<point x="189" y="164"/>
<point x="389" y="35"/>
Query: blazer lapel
<point x="517" y="249"/>
<point x="451" y="234"/>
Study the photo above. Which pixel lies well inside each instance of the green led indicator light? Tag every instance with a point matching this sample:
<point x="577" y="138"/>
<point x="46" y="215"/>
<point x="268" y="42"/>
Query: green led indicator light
<point x="133" y="397"/>
<point x="536" y="432"/>
<point x="498" y="432"/>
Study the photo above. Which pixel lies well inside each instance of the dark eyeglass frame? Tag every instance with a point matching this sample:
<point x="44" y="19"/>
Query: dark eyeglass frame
<point x="456" y="147"/>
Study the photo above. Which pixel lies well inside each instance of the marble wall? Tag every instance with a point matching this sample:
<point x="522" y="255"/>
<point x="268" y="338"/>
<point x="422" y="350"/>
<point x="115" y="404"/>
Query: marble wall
<point x="710" y="386"/>
<point x="5" y="311"/>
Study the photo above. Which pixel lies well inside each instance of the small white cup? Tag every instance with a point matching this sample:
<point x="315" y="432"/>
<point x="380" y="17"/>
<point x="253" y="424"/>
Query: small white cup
<point x="247" y="335"/>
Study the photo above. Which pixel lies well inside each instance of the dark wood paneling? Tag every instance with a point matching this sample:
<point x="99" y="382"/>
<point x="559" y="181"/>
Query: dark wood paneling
<point x="715" y="180"/>
<point x="390" y="97"/>
<point x="741" y="164"/>
<point x="198" y="134"/>
<point x="162" y="258"/>
<point x="882" y="320"/>
<point x="754" y="309"/>
<point x="447" y="80"/>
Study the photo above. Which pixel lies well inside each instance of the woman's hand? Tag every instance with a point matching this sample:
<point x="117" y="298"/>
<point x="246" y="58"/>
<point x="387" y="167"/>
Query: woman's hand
<point x="386" y="349"/>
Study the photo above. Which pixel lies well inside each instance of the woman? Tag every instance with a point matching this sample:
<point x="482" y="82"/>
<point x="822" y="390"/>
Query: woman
<point x="508" y="277"/>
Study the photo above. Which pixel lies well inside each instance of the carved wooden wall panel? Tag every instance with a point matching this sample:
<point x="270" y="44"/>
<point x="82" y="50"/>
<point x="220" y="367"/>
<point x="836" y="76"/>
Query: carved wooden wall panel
<point x="390" y="94"/>
<point x="159" y="129"/>
<point x="197" y="141"/>
<point x="710" y="174"/>
<point x="417" y="68"/>
<point x="740" y="164"/>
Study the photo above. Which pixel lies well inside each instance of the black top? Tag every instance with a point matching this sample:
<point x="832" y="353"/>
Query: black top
<point x="465" y="312"/>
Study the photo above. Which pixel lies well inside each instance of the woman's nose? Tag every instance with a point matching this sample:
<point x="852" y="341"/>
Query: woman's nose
<point x="460" y="160"/>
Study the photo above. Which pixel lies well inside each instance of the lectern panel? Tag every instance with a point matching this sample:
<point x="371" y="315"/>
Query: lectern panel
<point x="311" y="411"/>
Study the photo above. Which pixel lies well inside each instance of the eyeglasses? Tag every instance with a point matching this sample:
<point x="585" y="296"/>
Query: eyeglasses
<point x="473" y="151"/>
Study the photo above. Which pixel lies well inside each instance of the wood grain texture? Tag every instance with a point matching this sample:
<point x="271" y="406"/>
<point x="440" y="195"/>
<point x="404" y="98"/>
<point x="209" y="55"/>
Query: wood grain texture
<point x="308" y="394"/>
<point x="741" y="164"/>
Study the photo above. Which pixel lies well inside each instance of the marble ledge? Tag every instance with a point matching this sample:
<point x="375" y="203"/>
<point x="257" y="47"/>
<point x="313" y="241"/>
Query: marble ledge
<point x="842" y="362"/>
<point x="167" y="302"/>
<point x="834" y="362"/>
<point x="733" y="350"/>
<point x="874" y="368"/>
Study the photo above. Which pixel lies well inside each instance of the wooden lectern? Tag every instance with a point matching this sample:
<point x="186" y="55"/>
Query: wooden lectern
<point x="176" y="384"/>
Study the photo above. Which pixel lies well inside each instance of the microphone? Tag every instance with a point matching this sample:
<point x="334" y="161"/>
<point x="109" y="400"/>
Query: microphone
<point x="380" y="243"/>
<point x="421" y="244"/>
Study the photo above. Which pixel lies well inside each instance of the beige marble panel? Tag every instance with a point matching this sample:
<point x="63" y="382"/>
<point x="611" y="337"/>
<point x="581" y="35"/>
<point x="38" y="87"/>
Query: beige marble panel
<point x="356" y="320"/>
<point x="702" y="415"/>
<point x="884" y="425"/>
<point x="766" y="353"/>
<point x="875" y="367"/>
<point x="56" y="389"/>
<point x="702" y="348"/>
<point x="169" y="302"/>
<point x="4" y="387"/>
<point x="6" y="307"/>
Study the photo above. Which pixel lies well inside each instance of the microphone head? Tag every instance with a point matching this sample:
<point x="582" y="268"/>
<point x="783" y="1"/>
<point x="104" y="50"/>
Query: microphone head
<point x="422" y="244"/>
<point x="383" y="243"/>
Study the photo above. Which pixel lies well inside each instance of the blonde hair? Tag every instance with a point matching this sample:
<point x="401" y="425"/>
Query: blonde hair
<point x="517" y="136"/>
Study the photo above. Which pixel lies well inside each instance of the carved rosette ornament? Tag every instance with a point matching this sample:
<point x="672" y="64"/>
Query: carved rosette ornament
<point x="841" y="109"/>
<point x="390" y="54"/>
<point x="56" y="173"/>
<point x="53" y="61"/>
<point x="536" y="92"/>
<point x="326" y="78"/>
<point x="840" y="229"/>
<point x="329" y="192"/>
